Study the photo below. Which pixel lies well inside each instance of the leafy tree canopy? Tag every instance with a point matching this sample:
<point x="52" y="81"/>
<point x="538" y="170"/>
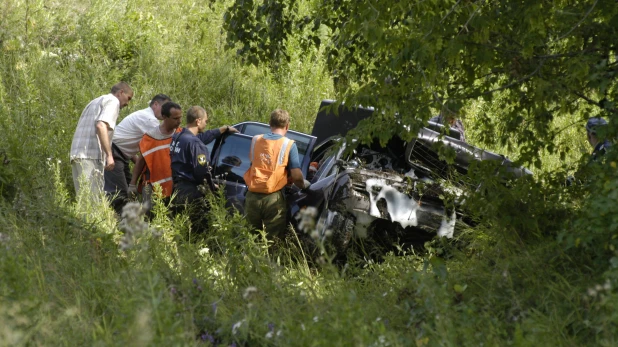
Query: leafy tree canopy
<point x="532" y="60"/>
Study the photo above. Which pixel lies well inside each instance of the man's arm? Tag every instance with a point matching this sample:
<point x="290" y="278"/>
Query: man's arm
<point x="103" y="134"/>
<point x="297" y="178"/>
<point x="228" y="129"/>
<point x="211" y="135"/>
<point x="137" y="169"/>
<point x="294" y="166"/>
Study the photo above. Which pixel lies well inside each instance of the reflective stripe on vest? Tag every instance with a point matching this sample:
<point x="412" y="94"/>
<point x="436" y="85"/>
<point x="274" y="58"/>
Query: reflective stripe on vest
<point x="283" y="150"/>
<point x="253" y="146"/>
<point x="155" y="149"/>
<point x="156" y="154"/>
<point x="269" y="159"/>
<point x="167" y="179"/>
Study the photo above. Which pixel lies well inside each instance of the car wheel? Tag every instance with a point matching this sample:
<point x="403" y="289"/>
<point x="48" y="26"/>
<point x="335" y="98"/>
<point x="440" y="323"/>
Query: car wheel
<point x="337" y="229"/>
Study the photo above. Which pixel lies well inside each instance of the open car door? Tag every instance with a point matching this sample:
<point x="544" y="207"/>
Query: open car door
<point x="230" y="160"/>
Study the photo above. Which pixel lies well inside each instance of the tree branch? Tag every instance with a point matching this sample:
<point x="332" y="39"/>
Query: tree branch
<point x="594" y="103"/>
<point x="465" y="26"/>
<point x="451" y="11"/>
<point x="580" y="21"/>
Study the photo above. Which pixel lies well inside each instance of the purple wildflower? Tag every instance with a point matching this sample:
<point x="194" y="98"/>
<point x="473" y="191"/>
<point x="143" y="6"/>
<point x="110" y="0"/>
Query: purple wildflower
<point x="271" y="327"/>
<point x="208" y="337"/>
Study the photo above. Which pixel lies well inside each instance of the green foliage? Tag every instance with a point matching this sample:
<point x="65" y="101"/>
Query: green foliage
<point x="533" y="61"/>
<point x="537" y="267"/>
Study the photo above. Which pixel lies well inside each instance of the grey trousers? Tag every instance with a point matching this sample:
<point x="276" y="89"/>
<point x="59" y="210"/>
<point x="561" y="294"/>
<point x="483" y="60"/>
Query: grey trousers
<point x="90" y="171"/>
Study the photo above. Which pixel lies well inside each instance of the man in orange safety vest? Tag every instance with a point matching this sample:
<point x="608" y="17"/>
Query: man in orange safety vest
<point x="154" y="164"/>
<point x="273" y="157"/>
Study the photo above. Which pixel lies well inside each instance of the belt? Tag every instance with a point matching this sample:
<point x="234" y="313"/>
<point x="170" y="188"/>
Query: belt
<point x="116" y="149"/>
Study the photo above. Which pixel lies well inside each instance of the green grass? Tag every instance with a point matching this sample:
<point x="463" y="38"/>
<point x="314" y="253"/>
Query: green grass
<point x="520" y="277"/>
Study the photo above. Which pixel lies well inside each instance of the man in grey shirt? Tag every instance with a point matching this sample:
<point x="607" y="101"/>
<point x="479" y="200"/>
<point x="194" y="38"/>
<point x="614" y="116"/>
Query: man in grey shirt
<point x="91" y="151"/>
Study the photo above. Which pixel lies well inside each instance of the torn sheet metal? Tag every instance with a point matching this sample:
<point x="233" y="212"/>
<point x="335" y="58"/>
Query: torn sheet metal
<point x="400" y="207"/>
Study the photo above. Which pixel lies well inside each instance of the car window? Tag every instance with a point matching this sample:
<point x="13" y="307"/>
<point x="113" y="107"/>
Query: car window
<point x="210" y="146"/>
<point x="233" y="160"/>
<point x="253" y="129"/>
<point x="302" y="142"/>
<point x="325" y="167"/>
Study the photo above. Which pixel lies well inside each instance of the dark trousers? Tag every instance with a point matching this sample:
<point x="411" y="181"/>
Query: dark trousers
<point x="268" y="211"/>
<point x="117" y="180"/>
<point x="188" y="198"/>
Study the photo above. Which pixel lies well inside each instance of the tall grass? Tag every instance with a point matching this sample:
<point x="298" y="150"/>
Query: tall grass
<point x="70" y="275"/>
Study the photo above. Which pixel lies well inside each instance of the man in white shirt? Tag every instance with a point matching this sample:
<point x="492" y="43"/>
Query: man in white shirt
<point x="125" y="146"/>
<point x="91" y="151"/>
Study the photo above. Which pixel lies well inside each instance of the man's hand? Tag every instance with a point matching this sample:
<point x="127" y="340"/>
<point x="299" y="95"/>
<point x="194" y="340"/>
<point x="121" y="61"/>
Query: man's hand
<point x="109" y="166"/>
<point x="132" y="191"/>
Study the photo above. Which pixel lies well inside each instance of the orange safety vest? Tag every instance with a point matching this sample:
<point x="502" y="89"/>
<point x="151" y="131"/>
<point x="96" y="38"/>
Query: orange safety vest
<point x="269" y="158"/>
<point x="158" y="169"/>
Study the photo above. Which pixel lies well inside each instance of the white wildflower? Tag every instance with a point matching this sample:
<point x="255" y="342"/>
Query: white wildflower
<point x="592" y="292"/>
<point x="250" y="293"/>
<point x="315" y="234"/>
<point x="269" y="335"/>
<point x="203" y="251"/>
<point x="316" y="319"/>
<point x="132" y="224"/>
<point x="307" y="219"/>
<point x="237" y="326"/>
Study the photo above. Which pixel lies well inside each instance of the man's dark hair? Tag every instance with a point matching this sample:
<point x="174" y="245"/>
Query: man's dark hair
<point x="161" y="98"/>
<point x="166" y="109"/>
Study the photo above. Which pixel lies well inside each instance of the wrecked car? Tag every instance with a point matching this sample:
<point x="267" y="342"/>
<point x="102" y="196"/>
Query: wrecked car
<point x="400" y="193"/>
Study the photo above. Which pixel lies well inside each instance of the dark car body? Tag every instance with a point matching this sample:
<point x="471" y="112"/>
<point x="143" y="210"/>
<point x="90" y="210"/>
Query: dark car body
<point x="400" y="192"/>
<point x="229" y="172"/>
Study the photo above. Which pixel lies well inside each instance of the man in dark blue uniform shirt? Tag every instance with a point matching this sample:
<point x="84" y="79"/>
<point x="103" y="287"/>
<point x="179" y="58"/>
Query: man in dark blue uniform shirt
<point x="190" y="157"/>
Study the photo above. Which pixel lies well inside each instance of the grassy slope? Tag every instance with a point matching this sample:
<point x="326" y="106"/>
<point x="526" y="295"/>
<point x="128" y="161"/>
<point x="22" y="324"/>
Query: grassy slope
<point x="63" y="280"/>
